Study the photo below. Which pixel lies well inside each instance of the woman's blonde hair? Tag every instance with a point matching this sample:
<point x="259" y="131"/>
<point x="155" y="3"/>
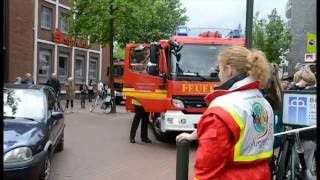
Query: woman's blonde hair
<point x="252" y="62"/>
<point x="306" y="75"/>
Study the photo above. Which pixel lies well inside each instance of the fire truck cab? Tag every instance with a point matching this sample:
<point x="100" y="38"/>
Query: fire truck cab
<point x="170" y="79"/>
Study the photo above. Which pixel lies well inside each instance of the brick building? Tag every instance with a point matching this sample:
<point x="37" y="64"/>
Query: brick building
<point x="38" y="43"/>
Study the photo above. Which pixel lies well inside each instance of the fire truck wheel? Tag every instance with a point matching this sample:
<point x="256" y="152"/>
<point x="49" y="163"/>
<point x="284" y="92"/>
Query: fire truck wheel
<point x="160" y="136"/>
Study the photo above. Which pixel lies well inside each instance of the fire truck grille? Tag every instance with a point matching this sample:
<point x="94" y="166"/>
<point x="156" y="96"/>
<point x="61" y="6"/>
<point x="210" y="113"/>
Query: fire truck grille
<point x="192" y="101"/>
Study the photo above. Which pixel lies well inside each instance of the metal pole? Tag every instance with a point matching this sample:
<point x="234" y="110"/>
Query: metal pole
<point x="249" y="23"/>
<point x="295" y="130"/>
<point x="182" y="160"/>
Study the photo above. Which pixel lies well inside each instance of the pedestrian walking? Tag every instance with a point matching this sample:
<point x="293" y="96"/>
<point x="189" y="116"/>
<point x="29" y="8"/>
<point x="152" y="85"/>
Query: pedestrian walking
<point x="54" y="82"/>
<point x="28" y="79"/>
<point x="70" y="93"/>
<point x="90" y="90"/>
<point x="83" y="93"/>
<point x="235" y="133"/>
<point x="18" y="80"/>
<point x="143" y="116"/>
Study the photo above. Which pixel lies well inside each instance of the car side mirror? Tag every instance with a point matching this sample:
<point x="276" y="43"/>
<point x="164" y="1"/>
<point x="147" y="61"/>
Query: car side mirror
<point x="57" y="115"/>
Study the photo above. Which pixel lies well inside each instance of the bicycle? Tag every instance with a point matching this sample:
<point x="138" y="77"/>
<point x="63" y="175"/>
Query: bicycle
<point x="105" y="100"/>
<point x="285" y="165"/>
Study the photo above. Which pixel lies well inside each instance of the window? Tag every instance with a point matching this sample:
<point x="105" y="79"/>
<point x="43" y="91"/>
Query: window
<point x="79" y="69"/>
<point x="93" y="70"/>
<point x="44" y="69"/>
<point x="64" y="25"/>
<point x="63" y="67"/>
<point x="46" y="18"/>
<point x="140" y="60"/>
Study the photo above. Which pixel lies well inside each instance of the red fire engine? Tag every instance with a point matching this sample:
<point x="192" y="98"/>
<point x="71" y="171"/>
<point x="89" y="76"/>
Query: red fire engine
<point x="176" y="77"/>
<point x="118" y="66"/>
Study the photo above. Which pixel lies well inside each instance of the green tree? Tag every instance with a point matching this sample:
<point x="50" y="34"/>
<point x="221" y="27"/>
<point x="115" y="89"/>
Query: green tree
<point x="272" y="36"/>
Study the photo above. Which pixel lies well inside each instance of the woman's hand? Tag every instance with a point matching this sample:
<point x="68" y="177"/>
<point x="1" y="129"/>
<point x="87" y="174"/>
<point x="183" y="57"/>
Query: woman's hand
<point x="187" y="136"/>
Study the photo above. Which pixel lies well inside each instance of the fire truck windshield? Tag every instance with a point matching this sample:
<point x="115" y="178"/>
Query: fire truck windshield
<point x="197" y="62"/>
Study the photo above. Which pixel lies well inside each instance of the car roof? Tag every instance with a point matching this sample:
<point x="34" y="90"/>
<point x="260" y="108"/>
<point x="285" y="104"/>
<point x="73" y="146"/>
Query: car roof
<point x="24" y="86"/>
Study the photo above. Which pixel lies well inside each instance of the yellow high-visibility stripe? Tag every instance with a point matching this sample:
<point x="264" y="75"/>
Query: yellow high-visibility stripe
<point x="237" y="151"/>
<point x="157" y="94"/>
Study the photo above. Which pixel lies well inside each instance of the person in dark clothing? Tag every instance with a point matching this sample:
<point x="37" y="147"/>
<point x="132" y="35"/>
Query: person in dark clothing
<point x="83" y="90"/>
<point x="90" y="90"/>
<point x="28" y="79"/>
<point x="54" y="82"/>
<point x="142" y="115"/>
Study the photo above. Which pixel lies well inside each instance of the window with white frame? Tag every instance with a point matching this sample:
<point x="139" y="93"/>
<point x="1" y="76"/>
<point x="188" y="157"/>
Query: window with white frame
<point x="46" y="17"/>
<point x="64" y="25"/>
<point x="63" y="67"/>
<point x="93" y="69"/>
<point x="45" y="62"/>
<point x="79" y="70"/>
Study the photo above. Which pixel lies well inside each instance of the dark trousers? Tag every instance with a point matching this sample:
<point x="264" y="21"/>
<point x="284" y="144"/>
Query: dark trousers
<point x="83" y="100"/>
<point x="67" y="104"/>
<point x="90" y="95"/>
<point x="142" y="115"/>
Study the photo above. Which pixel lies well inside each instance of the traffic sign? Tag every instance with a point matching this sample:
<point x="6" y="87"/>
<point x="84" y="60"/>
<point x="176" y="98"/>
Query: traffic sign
<point x="310" y="57"/>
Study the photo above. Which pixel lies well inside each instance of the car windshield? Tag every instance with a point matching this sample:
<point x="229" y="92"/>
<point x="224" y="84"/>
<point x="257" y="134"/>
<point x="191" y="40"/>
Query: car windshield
<point x="22" y="103"/>
<point x="196" y="61"/>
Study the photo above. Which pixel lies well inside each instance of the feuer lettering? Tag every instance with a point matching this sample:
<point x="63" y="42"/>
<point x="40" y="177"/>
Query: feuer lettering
<point x="197" y="88"/>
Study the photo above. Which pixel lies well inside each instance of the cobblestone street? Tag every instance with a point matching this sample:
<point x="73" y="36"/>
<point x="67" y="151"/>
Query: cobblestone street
<point x="97" y="148"/>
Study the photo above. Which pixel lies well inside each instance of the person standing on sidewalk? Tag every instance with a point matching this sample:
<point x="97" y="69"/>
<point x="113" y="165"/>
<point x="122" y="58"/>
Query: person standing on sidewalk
<point x="143" y="116"/>
<point x="70" y="93"/>
<point x="235" y="133"/>
<point x="83" y="91"/>
<point x="90" y="90"/>
<point x="28" y="79"/>
<point x="54" y="82"/>
<point x="18" y="80"/>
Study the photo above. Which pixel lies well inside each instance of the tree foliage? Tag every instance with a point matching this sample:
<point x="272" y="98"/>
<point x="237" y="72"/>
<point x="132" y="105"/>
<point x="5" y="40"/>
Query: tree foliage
<point x="135" y="21"/>
<point x="272" y="36"/>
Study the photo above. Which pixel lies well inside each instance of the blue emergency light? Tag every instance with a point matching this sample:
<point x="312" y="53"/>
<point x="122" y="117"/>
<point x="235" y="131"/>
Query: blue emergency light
<point x="182" y="31"/>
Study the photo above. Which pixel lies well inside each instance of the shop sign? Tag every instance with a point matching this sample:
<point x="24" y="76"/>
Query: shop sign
<point x="68" y="40"/>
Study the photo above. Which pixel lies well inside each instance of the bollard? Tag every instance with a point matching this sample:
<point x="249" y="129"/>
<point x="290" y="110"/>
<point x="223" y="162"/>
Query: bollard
<point x="182" y="160"/>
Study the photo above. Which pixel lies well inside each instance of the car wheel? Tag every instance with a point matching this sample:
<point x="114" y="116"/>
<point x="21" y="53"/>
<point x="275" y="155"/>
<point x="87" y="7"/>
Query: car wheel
<point x="60" y="146"/>
<point x="45" y="173"/>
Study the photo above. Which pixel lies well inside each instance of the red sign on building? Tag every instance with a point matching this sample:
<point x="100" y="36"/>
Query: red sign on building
<point x="68" y="40"/>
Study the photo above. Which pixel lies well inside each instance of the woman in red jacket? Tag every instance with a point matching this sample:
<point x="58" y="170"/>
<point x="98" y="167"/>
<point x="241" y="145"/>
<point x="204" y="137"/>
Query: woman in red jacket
<point x="235" y="133"/>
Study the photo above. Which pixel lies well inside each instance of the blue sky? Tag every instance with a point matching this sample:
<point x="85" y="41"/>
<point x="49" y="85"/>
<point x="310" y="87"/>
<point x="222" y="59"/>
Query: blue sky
<point x="227" y="14"/>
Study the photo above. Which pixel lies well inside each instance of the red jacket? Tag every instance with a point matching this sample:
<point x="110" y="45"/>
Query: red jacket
<point x="217" y="135"/>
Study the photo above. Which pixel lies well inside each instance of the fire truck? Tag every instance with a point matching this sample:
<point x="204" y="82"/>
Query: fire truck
<point x="180" y="72"/>
<point x="118" y="66"/>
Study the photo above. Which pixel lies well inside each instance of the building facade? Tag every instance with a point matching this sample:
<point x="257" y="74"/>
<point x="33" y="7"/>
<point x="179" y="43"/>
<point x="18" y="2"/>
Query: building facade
<point x="39" y="44"/>
<point x="302" y="19"/>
